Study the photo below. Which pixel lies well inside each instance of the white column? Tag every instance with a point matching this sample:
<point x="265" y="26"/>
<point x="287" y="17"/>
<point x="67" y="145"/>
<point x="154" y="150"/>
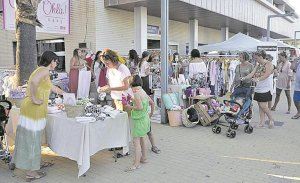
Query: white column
<point x="225" y="33"/>
<point x="140" y="29"/>
<point x="193" y="25"/>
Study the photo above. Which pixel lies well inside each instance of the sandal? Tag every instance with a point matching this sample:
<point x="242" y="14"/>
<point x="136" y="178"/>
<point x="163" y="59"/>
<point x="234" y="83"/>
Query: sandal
<point x="288" y="112"/>
<point x="131" y="169"/>
<point x="119" y="155"/>
<point x="296" y="117"/>
<point x="46" y="164"/>
<point x="260" y="126"/>
<point x="155" y="150"/>
<point x="30" y="178"/>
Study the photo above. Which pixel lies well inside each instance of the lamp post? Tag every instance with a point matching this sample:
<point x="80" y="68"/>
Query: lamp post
<point x="273" y="16"/>
<point x="295" y="38"/>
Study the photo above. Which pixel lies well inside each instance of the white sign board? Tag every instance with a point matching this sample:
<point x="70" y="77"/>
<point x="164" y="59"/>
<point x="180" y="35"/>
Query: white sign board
<point x="53" y="14"/>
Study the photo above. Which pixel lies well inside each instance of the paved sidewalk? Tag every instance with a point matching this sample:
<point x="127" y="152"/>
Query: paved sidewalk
<point x="195" y="155"/>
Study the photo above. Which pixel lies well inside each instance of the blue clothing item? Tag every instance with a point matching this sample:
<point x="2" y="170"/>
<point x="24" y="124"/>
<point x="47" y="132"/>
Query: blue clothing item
<point x="297" y="96"/>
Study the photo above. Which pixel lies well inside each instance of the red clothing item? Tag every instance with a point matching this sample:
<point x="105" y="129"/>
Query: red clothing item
<point x="102" y="77"/>
<point x="89" y="62"/>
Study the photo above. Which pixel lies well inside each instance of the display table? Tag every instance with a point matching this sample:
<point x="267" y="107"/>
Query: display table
<point x="79" y="141"/>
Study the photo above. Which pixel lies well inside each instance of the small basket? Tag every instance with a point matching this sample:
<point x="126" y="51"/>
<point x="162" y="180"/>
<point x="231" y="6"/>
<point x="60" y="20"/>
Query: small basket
<point x="74" y="111"/>
<point x="185" y="118"/>
<point x="175" y="118"/>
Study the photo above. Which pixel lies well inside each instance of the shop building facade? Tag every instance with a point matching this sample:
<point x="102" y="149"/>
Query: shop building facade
<point x="135" y="24"/>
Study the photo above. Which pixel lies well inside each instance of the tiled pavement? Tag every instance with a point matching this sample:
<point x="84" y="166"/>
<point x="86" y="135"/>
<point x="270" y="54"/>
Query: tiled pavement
<point x="195" y="155"/>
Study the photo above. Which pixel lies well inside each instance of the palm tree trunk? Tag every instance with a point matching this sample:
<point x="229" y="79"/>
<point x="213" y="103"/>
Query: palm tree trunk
<point x="26" y="52"/>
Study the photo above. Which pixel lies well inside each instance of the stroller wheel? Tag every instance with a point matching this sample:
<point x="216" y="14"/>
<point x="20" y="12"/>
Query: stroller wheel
<point x="248" y="129"/>
<point x="214" y="129"/>
<point x="218" y="130"/>
<point x="231" y="134"/>
<point x="234" y="126"/>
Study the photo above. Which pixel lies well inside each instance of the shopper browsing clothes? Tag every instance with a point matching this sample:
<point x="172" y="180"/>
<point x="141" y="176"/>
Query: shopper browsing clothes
<point x="242" y="70"/>
<point x="133" y="61"/>
<point x="75" y="66"/>
<point x="117" y="76"/>
<point x="33" y="111"/>
<point x="284" y="80"/>
<point x="264" y="81"/>
<point x="140" y="119"/>
<point x="144" y="71"/>
<point x="295" y="66"/>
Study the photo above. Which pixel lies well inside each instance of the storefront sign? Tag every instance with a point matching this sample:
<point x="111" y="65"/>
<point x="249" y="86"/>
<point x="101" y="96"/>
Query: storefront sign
<point x="153" y="29"/>
<point x="53" y="14"/>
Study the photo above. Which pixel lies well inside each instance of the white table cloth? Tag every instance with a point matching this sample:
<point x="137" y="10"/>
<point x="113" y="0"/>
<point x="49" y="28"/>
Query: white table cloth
<point x="78" y="141"/>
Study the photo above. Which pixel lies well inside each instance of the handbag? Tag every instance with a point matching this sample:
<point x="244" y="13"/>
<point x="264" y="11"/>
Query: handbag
<point x="170" y="100"/>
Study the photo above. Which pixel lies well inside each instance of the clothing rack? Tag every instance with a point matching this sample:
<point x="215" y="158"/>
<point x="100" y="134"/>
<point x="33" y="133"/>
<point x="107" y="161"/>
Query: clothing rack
<point x="220" y="55"/>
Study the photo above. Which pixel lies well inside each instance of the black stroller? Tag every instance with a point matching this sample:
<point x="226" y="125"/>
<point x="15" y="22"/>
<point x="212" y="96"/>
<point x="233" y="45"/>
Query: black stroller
<point x="5" y="107"/>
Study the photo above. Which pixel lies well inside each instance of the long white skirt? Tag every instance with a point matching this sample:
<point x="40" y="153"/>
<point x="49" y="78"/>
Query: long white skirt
<point x="84" y="82"/>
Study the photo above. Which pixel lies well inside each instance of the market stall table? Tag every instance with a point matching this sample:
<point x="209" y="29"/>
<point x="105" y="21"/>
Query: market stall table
<point x="79" y="141"/>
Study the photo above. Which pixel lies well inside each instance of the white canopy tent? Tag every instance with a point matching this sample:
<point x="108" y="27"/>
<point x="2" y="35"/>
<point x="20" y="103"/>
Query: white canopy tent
<point x="279" y="44"/>
<point x="238" y="42"/>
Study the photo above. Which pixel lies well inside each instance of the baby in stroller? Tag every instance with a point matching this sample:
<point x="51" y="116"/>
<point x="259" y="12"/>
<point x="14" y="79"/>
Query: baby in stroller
<point x="5" y="107"/>
<point x="237" y="111"/>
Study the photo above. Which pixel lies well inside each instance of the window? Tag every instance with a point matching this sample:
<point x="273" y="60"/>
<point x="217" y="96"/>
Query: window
<point x="57" y="46"/>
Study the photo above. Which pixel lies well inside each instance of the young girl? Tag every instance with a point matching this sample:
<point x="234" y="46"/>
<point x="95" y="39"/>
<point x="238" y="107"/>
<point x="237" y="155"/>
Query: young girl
<point x="140" y="120"/>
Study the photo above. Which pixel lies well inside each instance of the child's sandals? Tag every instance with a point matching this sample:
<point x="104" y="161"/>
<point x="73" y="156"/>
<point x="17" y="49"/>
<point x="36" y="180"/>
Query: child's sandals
<point x="155" y="150"/>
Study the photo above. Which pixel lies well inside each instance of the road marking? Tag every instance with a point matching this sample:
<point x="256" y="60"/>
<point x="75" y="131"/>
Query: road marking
<point x="264" y="160"/>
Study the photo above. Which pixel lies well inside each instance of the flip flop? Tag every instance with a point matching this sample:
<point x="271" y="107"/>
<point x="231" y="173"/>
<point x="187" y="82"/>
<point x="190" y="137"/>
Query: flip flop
<point x="46" y="164"/>
<point x="260" y="126"/>
<point x="133" y="168"/>
<point x="32" y="178"/>
<point x="119" y="155"/>
<point x="296" y="117"/>
<point x="288" y="112"/>
<point x="155" y="150"/>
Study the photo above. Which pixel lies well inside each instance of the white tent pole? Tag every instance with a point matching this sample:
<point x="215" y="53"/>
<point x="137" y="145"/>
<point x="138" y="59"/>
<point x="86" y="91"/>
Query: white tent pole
<point x="164" y="54"/>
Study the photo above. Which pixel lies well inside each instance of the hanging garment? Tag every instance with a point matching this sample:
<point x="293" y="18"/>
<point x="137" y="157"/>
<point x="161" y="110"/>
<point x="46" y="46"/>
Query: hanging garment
<point x="84" y="83"/>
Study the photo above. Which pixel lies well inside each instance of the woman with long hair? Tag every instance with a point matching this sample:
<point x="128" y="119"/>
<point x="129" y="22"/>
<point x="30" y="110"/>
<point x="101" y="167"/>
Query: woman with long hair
<point x="262" y="76"/>
<point x="144" y="71"/>
<point x="75" y="66"/>
<point x="117" y="78"/>
<point x="97" y="67"/>
<point x="284" y="80"/>
<point x="133" y="61"/>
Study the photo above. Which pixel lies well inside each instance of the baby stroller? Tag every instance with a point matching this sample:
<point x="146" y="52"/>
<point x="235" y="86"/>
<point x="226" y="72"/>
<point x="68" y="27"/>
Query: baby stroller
<point x="237" y="111"/>
<point x="5" y="107"/>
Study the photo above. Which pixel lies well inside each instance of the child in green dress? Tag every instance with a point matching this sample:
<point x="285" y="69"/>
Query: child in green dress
<point x="140" y="120"/>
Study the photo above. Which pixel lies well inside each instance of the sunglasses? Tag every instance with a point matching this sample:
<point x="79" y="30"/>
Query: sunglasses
<point x="105" y="57"/>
